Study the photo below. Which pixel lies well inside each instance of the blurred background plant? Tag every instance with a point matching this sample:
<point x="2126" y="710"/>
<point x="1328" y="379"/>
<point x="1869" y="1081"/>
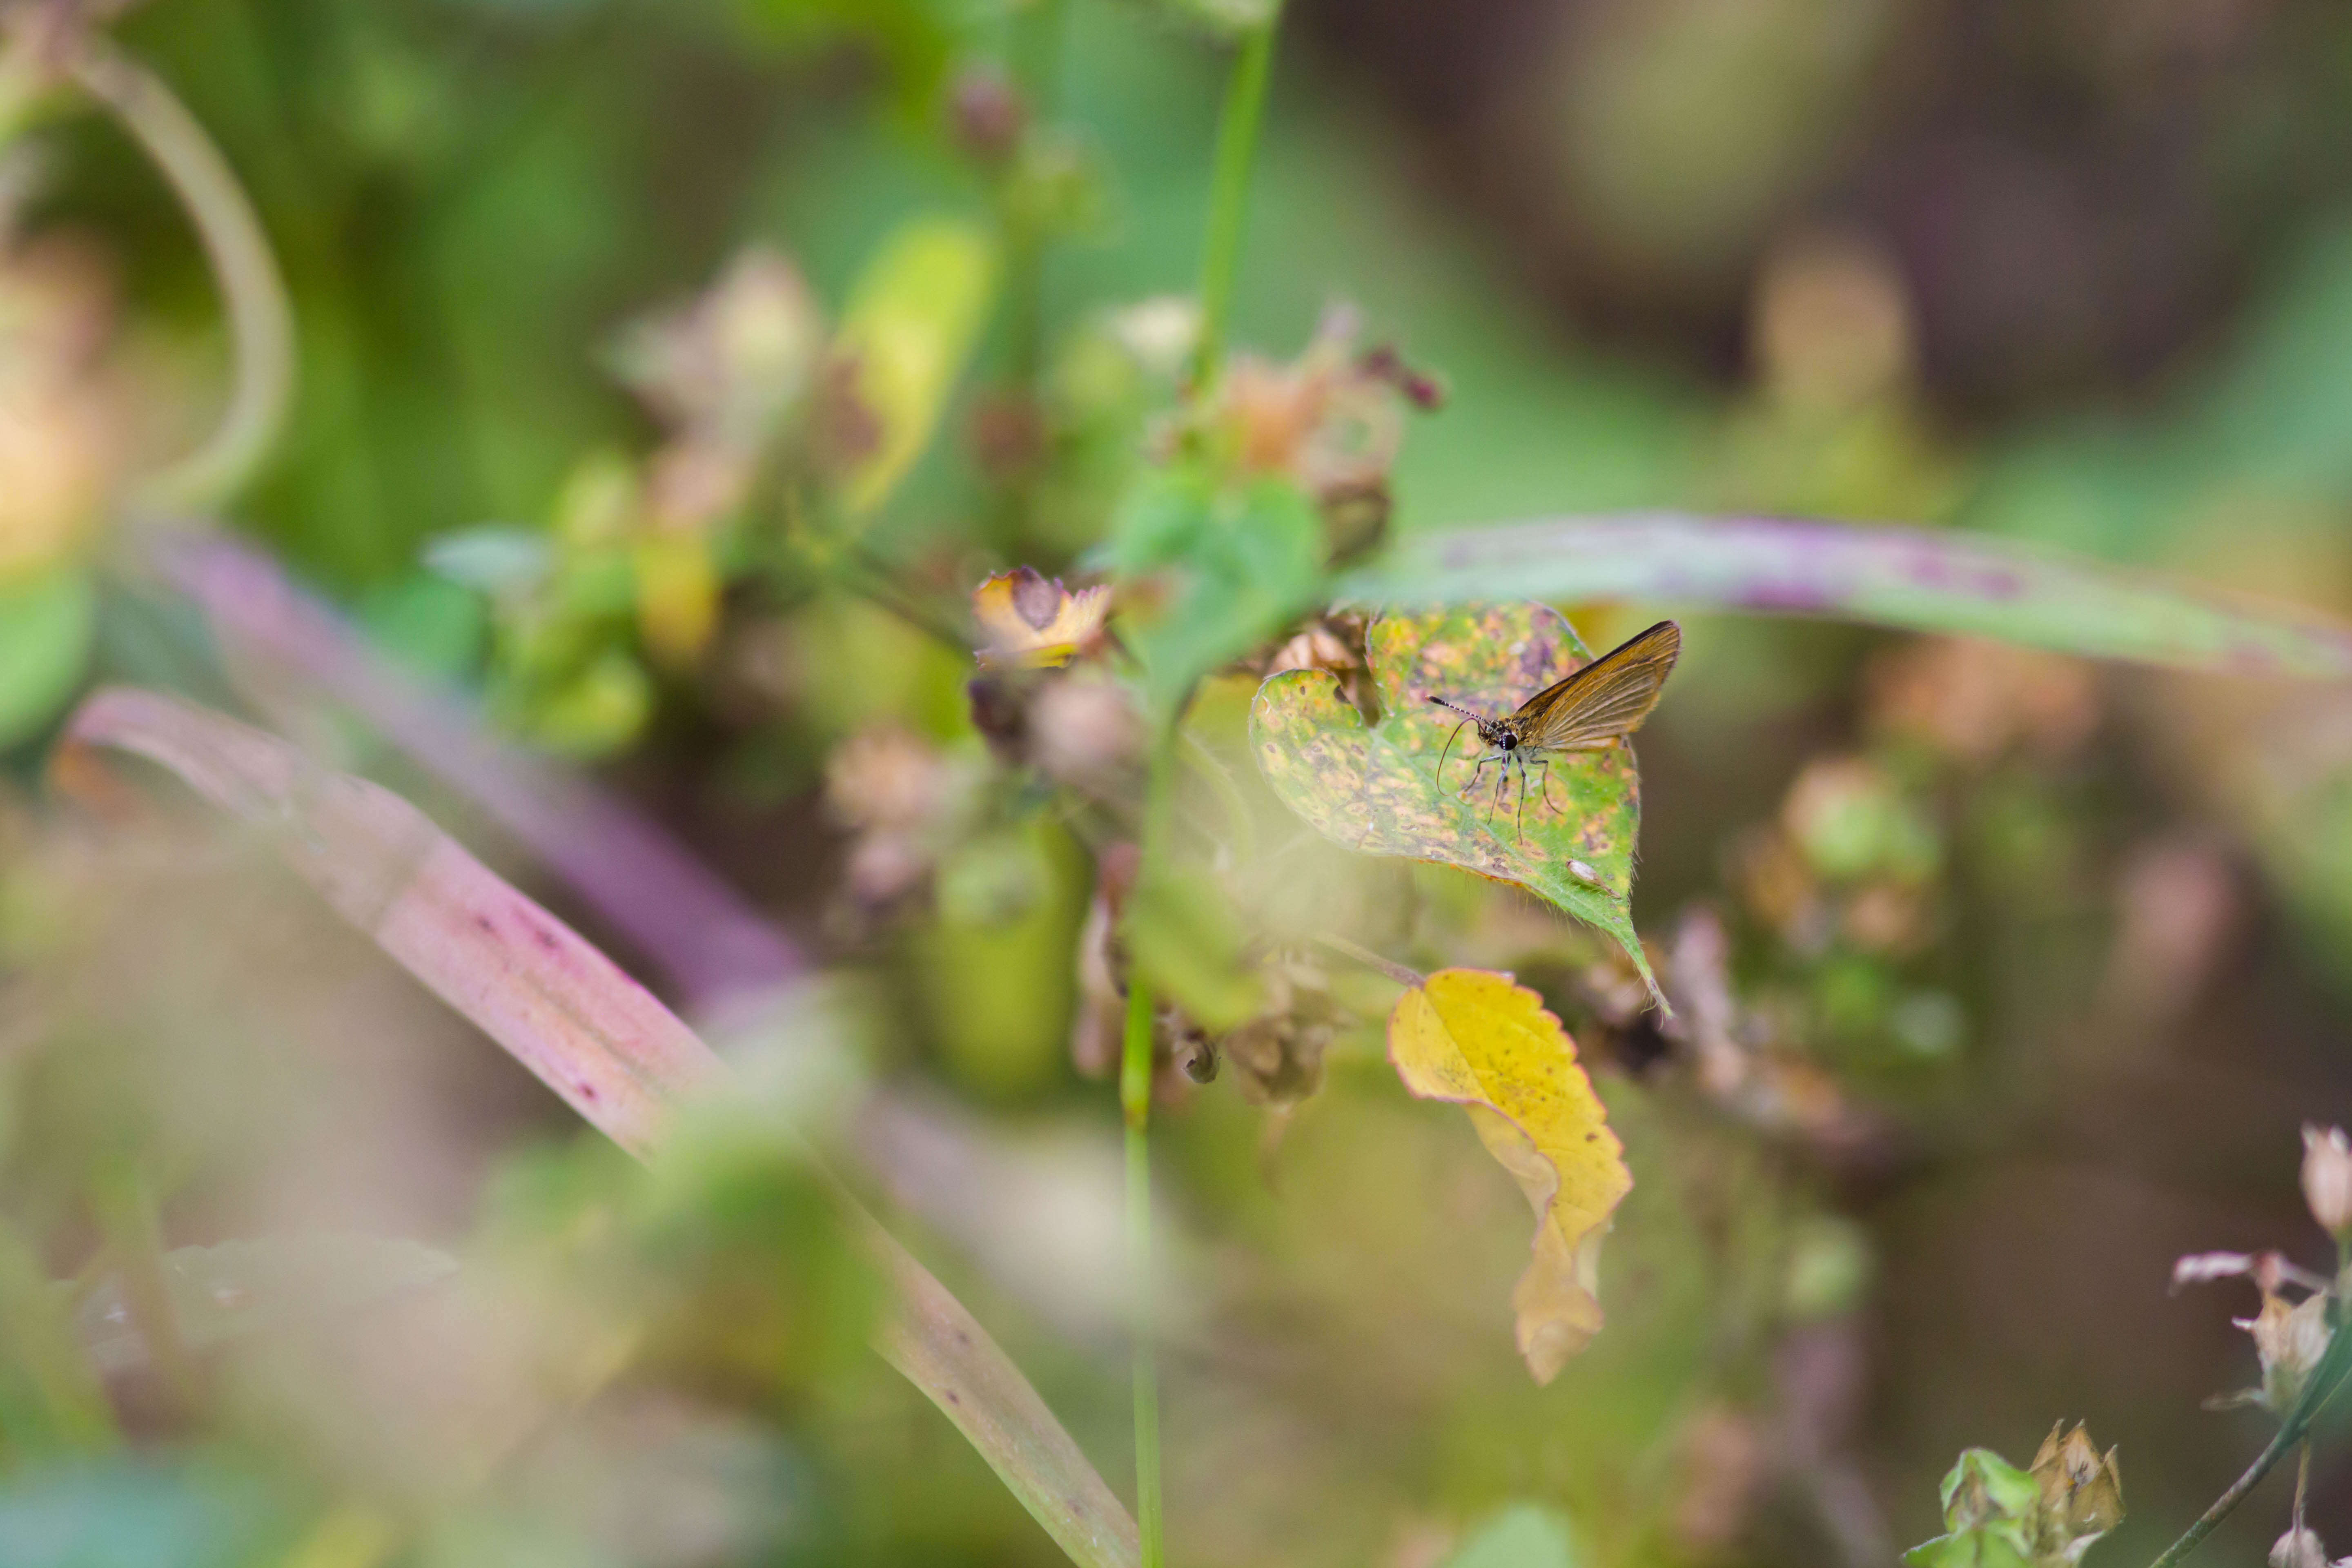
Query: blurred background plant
<point x="821" y="421"/>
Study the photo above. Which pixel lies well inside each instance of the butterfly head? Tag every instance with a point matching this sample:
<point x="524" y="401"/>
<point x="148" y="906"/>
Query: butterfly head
<point x="1499" y="733"/>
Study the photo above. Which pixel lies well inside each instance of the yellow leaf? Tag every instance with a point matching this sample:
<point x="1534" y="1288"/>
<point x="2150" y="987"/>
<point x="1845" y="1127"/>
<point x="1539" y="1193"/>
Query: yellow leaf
<point x="1474" y="1037"/>
<point x="913" y="320"/>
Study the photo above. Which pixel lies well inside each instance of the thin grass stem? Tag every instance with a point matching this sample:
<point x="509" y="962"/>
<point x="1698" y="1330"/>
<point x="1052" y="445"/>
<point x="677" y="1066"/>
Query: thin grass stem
<point x="1237" y="138"/>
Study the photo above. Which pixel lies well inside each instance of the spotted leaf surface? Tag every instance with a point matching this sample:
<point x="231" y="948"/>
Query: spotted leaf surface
<point x="1376" y="788"/>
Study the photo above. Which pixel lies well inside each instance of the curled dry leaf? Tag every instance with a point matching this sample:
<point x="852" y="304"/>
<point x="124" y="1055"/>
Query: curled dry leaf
<point x="1375" y="788"/>
<point x="1032" y="622"/>
<point x="1278" y="1055"/>
<point x="1474" y="1037"/>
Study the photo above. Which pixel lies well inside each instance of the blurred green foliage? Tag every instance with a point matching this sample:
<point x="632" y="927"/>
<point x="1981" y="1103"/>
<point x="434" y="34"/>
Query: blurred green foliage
<point x="671" y="372"/>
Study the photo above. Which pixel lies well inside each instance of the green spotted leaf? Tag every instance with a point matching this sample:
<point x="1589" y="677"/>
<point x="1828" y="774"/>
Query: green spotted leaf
<point x="1375" y="788"/>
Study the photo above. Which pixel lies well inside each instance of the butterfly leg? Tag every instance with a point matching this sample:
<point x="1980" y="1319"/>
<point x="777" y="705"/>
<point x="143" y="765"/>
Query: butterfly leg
<point x="1545" y="763"/>
<point x="1463" y="792"/>
<point x="1522" y="761"/>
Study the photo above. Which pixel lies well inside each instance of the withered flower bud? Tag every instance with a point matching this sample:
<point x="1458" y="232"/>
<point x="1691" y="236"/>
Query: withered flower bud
<point x="2082" y="1491"/>
<point x="1029" y="621"/>
<point x="1084" y="732"/>
<point x="2290" y="1340"/>
<point x="2327" y="1178"/>
<point x="999" y="715"/>
<point x="2299" y="1548"/>
<point x="987" y="114"/>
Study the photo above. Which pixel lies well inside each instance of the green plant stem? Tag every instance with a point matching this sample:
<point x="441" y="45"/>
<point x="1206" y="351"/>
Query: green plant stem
<point x="126" y="1213"/>
<point x="1237" y="133"/>
<point x="1135" y="1105"/>
<point x="260" y="318"/>
<point x="1135" y="1100"/>
<point x="1037" y="68"/>
<point x="2325" y="1379"/>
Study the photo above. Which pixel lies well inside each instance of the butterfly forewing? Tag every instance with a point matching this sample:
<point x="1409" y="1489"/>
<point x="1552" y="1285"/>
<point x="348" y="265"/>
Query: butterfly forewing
<point x="1607" y="698"/>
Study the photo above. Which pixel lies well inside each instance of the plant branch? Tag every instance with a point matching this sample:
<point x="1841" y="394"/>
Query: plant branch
<point x="2325" y="1379"/>
<point x="260" y="317"/>
<point x="1371" y="960"/>
<point x="1135" y="1101"/>
<point x="1237" y="132"/>
<point x="1135" y="1105"/>
<point x="1038" y="68"/>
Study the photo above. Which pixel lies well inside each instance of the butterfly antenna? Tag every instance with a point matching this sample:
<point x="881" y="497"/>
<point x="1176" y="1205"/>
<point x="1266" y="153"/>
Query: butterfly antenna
<point x="1448" y="747"/>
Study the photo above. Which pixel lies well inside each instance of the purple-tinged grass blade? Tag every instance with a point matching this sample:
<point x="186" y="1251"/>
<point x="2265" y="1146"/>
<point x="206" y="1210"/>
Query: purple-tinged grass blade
<point x="712" y="944"/>
<point x="593" y="1035"/>
<point x="565" y="1011"/>
<point x="1913" y="578"/>
<point x="937" y="1345"/>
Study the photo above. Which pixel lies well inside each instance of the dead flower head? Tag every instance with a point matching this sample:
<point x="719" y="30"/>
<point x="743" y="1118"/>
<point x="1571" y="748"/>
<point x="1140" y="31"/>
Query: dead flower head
<point x="896" y="792"/>
<point x="1330" y="420"/>
<point x="1032" y="622"/>
<point x="2082" y="1491"/>
<point x="1277" y="1056"/>
<point x="1084" y="732"/>
<point x="2289" y="1337"/>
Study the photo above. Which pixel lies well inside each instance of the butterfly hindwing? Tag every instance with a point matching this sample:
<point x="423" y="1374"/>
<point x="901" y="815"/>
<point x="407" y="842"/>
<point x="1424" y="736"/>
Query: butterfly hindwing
<point x="1604" y="700"/>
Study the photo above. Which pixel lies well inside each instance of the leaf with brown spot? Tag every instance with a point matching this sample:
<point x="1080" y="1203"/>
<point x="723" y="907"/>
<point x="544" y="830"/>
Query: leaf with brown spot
<point x="1376" y="788"/>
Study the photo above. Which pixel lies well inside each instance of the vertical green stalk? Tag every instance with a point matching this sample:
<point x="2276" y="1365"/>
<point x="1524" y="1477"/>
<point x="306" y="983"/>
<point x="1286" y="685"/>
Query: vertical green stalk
<point x="1037" y="68"/>
<point x="1237" y="132"/>
<point x="1135" y="1100"/>
<point x="1036" y="48"/>
<point x="1135" y="1103"/>
<point x="125" y="1210"/>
